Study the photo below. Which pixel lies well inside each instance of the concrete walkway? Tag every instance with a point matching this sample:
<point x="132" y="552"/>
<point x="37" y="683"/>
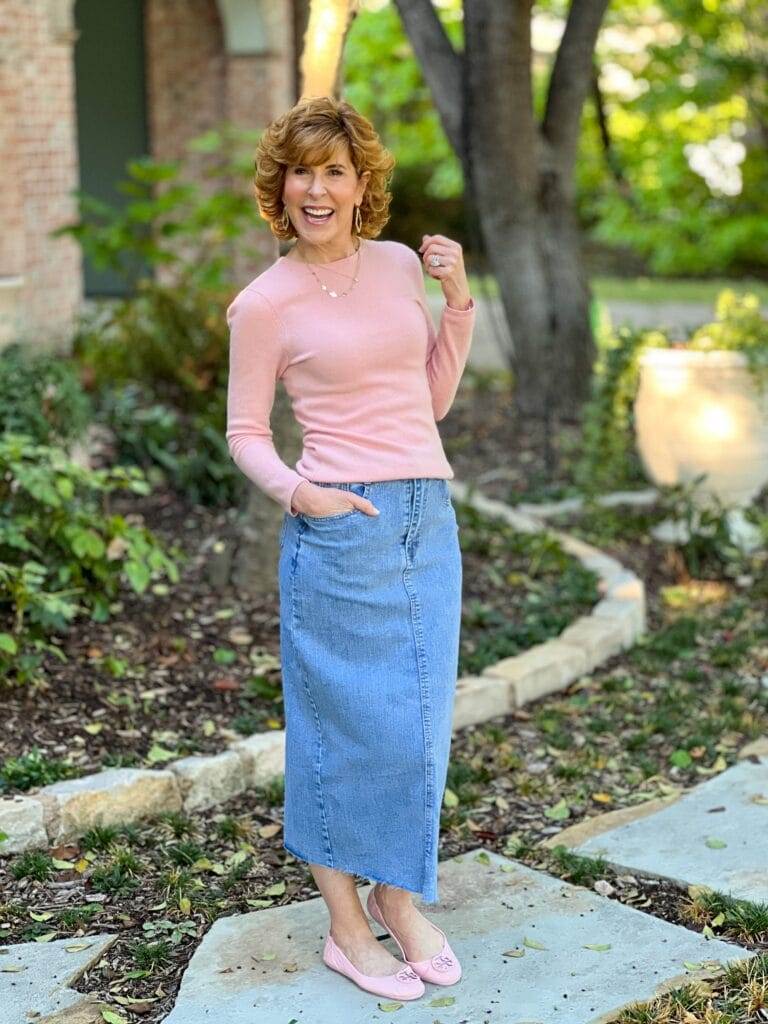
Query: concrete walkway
<point x="534" y="950"/>
<point x="36" y="980"/>
<point x="714" y="835"/>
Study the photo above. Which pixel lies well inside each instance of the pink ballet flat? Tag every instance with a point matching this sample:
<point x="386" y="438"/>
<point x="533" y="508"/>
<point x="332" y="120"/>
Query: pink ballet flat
<point x="404" y="985"/>
<point x="441" y="969"/>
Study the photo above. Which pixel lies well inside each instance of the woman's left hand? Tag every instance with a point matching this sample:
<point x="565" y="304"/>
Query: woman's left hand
<point x="451" y="274"/>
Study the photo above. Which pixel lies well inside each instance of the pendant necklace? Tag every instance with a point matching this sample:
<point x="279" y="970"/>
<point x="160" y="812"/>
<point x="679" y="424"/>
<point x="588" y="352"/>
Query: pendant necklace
<point x="332" y="293"/>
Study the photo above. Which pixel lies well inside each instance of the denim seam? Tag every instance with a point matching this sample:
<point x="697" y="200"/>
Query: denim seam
<point x="416" y="625"/>
<point x="295" y="618"/>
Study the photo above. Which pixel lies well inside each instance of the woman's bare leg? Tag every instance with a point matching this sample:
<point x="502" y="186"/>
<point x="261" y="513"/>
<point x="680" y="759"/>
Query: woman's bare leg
<point x="419" y="938"/>
<point x="349" y="928"/>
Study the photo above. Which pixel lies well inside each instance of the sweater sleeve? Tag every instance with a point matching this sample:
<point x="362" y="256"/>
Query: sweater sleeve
<point x="447" y="348"/>
<point x="255" y="354"/>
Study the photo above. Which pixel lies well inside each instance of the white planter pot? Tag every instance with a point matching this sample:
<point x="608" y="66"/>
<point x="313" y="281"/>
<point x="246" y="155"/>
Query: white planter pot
<point x="702" y="412"/>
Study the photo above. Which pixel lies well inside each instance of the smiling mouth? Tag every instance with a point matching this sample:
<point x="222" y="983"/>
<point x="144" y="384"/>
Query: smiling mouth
<point x="316" y="218"/>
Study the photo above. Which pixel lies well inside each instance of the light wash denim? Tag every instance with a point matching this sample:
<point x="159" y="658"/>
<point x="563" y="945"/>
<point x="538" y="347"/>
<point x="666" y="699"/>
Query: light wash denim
<point x="370" y="613"/>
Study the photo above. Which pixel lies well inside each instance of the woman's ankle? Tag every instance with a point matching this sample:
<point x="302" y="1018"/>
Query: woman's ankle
<point x="394" y="898"/>
<point x="352" y="933"/>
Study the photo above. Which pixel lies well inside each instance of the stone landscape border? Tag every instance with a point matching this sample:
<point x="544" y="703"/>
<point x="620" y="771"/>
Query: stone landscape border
<point x="65" y="810"/>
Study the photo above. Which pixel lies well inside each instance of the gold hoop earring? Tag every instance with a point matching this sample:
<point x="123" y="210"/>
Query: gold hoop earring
<point x="358" y="220"/>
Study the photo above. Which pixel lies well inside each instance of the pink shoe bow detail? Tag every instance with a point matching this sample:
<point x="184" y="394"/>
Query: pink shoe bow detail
<point x="443" y="963"/>
<point x="407" y="974"/>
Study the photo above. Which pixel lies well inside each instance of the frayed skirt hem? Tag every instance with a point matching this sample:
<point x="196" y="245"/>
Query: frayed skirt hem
<point x="362" y="874"/>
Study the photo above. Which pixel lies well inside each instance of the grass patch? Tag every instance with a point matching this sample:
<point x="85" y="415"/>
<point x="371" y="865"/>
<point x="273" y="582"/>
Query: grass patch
<point x="737" y="994"/>
<point x="737" y="919"/>
<point x="33" y="769"/>
<point x="33" y="864"/>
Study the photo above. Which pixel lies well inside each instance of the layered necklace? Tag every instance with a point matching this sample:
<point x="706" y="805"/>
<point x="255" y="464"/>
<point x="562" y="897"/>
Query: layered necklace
<point x="331" y="292"/>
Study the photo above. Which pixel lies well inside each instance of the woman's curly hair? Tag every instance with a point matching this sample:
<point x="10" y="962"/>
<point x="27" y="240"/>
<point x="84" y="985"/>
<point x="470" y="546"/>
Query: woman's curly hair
<point x="309" y="133"/>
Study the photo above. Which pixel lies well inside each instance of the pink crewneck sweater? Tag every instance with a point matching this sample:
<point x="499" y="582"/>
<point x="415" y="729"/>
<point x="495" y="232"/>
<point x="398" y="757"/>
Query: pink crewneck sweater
<point x="367" y="374"/>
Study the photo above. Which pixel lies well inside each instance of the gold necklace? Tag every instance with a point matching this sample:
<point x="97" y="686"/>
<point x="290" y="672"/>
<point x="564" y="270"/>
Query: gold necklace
<point x="329" y="291"/>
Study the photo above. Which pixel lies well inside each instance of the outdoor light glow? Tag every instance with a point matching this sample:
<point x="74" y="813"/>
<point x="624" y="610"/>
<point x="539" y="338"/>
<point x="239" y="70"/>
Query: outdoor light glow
<point x="718" y="423"/>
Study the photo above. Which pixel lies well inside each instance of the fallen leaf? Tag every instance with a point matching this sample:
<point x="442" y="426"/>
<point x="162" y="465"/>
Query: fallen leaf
<point x="602" y="798"/>
<point x="559" y="811"/>
<point x="113" y="1018"/>
<point x="225" y="683"/>
<point x="157" y="754"/>
<point x="12" y="969"/>
<point x="716" y="844"/>
<point x="267" y="831"/>
<point x="291" y="967"/>
<point x="389" y="1007"/>
<point x="45" y="938"/>
<point x="275" y="890"/>
<point x="690" y="966"/>
<point x="514" y="952"/>
<point x="78" y="946"/>
<point x="598" y="947"/>
<point x="532" y="944"/>
<point x="442" y="1001"/>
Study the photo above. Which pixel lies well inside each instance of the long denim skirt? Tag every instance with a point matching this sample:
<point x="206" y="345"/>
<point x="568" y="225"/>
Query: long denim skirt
<point x="370" y="613"/>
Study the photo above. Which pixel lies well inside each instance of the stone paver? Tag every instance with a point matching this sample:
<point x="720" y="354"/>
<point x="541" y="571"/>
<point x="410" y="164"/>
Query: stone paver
<point x="729" y="812"/>
<point x="208" y="781"/>
<point x="266" y="966"/>
<point x="35" y="980"/>
<point x="108" y="797"/>
<point x="21" y="822"/>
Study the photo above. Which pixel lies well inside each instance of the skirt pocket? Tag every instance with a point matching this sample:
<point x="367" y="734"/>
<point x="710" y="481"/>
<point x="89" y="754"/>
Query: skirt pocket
<point x="361" y="489"/>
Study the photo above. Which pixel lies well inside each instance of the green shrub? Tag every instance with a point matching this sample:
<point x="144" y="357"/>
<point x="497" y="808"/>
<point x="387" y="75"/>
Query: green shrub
<point x="172" y="220"/>
<point x="33" y="769"/>
<point x="62" y="551"/>
<point x="188" y="452"/>
<point x="41" y="395"/>
<point x="170" y="340"/>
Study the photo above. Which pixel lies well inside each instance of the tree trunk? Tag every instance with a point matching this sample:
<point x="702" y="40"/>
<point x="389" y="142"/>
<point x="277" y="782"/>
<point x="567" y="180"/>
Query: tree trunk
<point x="519" y="177"/>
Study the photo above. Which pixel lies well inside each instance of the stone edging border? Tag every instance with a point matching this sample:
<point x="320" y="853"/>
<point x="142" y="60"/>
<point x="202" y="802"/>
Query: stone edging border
<point x="65" y="810"/>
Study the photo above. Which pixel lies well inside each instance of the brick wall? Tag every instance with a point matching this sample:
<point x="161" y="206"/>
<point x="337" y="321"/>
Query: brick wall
<point x="193" y="84"/>
<point x="40" y="278"/>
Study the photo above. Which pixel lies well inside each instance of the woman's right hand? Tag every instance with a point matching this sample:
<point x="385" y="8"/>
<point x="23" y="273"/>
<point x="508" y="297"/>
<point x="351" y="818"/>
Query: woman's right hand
<point x="315" y="501"/>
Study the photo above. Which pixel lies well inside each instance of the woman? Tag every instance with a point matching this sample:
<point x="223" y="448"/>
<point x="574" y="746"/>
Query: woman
<point x="370" y="566"/>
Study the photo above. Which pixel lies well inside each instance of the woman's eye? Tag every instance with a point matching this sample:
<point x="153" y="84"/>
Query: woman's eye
<point x="334" y="170"/>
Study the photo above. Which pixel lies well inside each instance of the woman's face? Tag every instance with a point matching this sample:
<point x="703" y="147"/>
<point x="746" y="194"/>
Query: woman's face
<point x="331" y="186"/>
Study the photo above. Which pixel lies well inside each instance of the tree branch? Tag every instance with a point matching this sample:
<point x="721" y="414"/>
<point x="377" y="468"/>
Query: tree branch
<point x="439" y="63"/>
<point x="571" y="78"/>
